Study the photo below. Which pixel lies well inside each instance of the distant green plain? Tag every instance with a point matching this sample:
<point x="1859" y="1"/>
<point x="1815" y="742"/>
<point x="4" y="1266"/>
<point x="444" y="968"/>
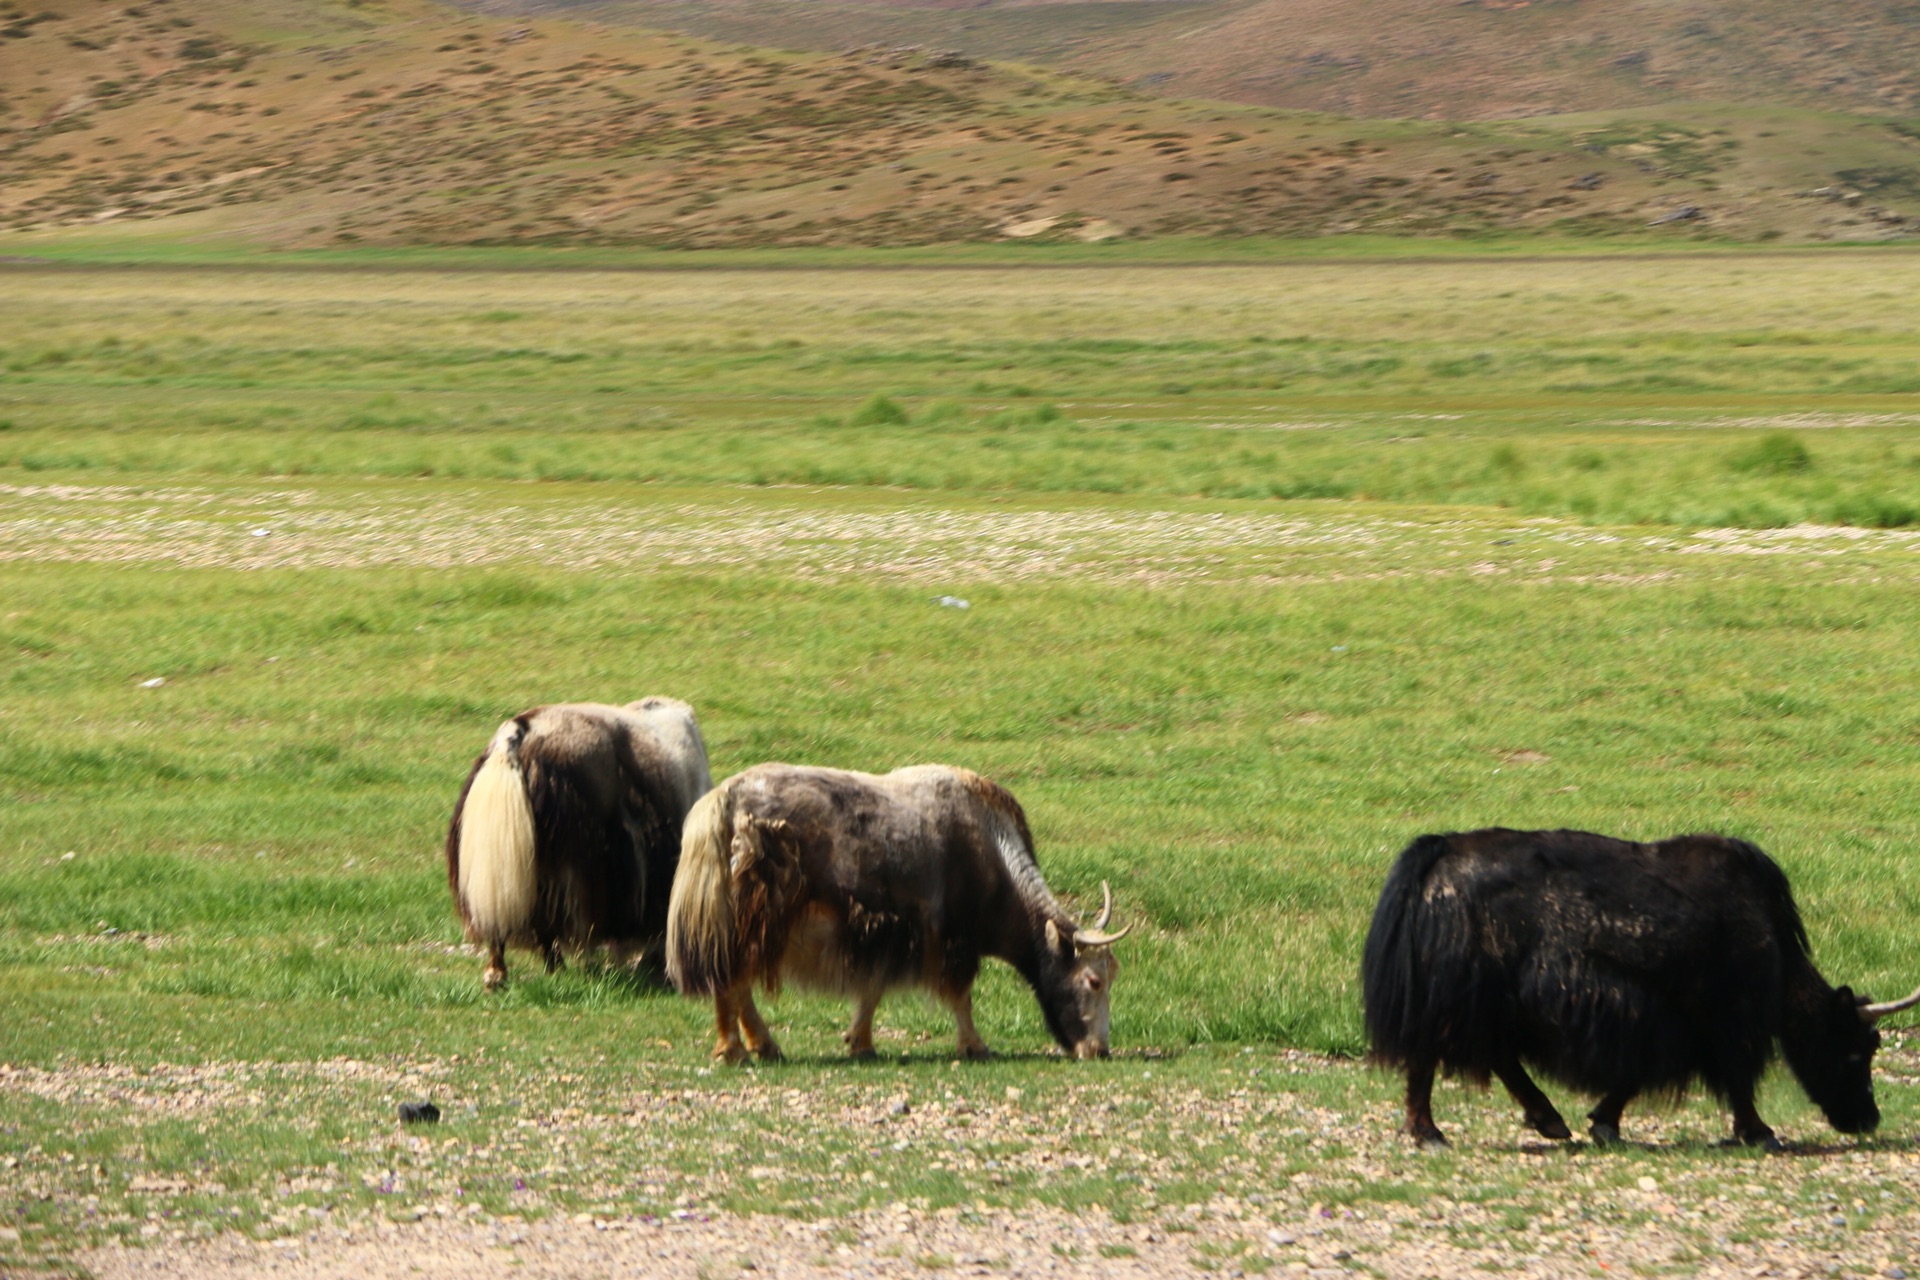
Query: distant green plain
<point x="1268" y="569"/>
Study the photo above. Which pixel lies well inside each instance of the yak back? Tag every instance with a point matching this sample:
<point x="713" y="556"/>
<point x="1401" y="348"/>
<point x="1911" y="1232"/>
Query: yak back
<point x="855" y="881"/>
<point x="1605" y="963"/>
<point x="608" y="795"/>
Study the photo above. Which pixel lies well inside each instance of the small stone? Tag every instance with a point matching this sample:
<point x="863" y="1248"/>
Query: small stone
<point x="419" y="1113"/>
<point x="1837" y="1220"/>
<point x="1648" y="1184"/>
<point x="900" y="1107"/>
<point x="1014" y="1094"/>
<point x="1279" y="1237"/>
<point x="1896" y="1273"/>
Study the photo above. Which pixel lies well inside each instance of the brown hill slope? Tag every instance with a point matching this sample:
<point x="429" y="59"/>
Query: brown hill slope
<point x="1501" y="58"/>
<point x="1430" y="59"/>
<point x="311" y="122"/>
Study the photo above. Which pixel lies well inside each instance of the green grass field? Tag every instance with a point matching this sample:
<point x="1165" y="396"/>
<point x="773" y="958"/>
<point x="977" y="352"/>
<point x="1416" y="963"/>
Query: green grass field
<point x="1269" y="570"/>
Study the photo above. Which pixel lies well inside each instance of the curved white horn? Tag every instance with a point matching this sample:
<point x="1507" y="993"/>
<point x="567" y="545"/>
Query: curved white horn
<point x="1875" y="1012"/>
<point x="1097" y="936"/>
<point x="1105" y="917"/>
<point x="1090" y="938"/>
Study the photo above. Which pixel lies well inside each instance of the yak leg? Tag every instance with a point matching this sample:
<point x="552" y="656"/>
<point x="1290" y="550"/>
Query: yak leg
<point x="495" y="976"/>
<point x="1420" y="1125"/>
<point x="971" y="1045"/>
<point x="1542" y="1116"/>
<point x="859" y="1036"/>
<point x="550" y="950"/>
<point x="1748" y="1127"/>
<point x="1604" y="1119"/>
<point x="759" y="1039"/>
<point x="726" y="1019"/>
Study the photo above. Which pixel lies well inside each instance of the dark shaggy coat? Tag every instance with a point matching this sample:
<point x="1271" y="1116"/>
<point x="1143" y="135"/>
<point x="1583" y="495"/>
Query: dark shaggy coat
<point x="1615" y="967"/>
<point x="568" y="829"/>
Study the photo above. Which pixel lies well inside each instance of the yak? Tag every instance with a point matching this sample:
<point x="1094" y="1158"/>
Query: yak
<point x="568" y="829"/>
<point x="859" y="884"/>
<point x="1616" y="968"/>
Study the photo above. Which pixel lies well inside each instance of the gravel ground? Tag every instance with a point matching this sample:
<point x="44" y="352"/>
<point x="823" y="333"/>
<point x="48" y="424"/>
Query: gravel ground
<point x="1297" y="1163"/>
<point x="1025" y="1242"/>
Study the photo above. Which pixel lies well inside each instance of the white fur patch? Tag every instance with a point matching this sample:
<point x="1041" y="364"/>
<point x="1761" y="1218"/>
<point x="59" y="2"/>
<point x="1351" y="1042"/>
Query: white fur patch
<point x="1020" y="864"/>
<point x="496" y="849"/>
<point x="700" y="926"/>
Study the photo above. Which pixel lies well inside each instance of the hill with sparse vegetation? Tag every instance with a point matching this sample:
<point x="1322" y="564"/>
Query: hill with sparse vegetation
<point x="403" y="122"/>
<point x="1430" y="59"/>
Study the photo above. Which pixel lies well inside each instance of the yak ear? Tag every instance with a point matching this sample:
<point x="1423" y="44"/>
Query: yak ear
<point x="1057" y="942"/>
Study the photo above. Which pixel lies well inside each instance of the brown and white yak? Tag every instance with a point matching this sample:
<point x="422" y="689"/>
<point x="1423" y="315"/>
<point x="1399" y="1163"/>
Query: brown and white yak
<point x="568" y="830"/>
<point x="859" y="884"/>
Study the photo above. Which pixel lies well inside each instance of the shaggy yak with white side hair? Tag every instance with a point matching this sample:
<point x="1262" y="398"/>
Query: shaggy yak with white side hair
<point x="859" y="884"/>
<point x="568" y="830"/>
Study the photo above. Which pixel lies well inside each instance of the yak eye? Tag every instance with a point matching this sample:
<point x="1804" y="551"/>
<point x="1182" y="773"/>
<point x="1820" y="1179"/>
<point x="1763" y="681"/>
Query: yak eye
<point x="1093" y="982"/>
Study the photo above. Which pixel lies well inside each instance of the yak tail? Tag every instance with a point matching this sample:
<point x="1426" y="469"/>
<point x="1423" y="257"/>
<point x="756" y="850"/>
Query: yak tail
<point x="700" y="915"/>
<point x="495" y="843"/>
<point x="1410" y="937"/>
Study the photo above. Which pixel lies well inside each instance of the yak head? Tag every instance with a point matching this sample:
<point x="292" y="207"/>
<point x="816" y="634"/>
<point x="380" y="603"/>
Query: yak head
<point x="1076" y="981"/>
<point x="1834" y="1058"/>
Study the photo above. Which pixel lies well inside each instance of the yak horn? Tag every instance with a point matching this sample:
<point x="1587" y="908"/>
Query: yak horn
<point x="1088" y="938"/>
<point x="1875" y="1012"/>
<point x="1106" y="907"/>
<point x="1097" y="935"/>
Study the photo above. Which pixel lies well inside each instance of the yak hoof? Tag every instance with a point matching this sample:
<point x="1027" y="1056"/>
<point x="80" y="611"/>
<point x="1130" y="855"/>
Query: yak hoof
<point x="976" y="1053"/>
<point x="1604" y="1135"/>
<point x="494" y="979"/>
<point x="1429" y="1138"/>
<point x="731" y="1054"/>
<point x="1550" y="1126"/>
<point x="1763" y="1139"/>
<point x="769" y="1052"/>
<point x="865" y="1054"/>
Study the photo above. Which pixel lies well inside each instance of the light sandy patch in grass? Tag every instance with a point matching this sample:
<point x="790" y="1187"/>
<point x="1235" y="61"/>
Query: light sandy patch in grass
<point x="1809" y="421"/>
<point x="507" y="524"/>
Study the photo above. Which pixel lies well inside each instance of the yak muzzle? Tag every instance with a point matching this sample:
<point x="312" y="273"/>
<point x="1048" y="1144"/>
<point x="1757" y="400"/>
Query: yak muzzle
<point x="1866" y="1122"/>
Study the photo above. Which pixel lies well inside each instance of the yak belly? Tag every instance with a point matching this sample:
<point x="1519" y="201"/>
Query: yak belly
<point x="848" y="949"/>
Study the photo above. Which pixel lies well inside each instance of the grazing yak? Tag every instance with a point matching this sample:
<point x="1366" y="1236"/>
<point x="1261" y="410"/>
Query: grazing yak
<point x="859" y="884"/>
<point x="1617" y="968"/>
<point x="568" y="830"/>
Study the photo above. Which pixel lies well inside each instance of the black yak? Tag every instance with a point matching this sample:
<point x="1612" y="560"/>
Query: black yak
<point x="1616" y="968"/>
<point x="568" y="829"/>
<point x="858" y="884"/>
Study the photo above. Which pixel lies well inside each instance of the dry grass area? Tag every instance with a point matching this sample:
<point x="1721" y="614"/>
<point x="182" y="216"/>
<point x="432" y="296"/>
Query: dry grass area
<point x="399" y="122"/>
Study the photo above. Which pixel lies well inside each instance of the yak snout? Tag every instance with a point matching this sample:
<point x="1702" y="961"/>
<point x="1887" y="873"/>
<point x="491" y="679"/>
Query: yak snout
<point x="1857" y="1122"/>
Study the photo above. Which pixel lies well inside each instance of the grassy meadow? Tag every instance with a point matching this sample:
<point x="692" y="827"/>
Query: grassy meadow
<point x="1268" y="569"/>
